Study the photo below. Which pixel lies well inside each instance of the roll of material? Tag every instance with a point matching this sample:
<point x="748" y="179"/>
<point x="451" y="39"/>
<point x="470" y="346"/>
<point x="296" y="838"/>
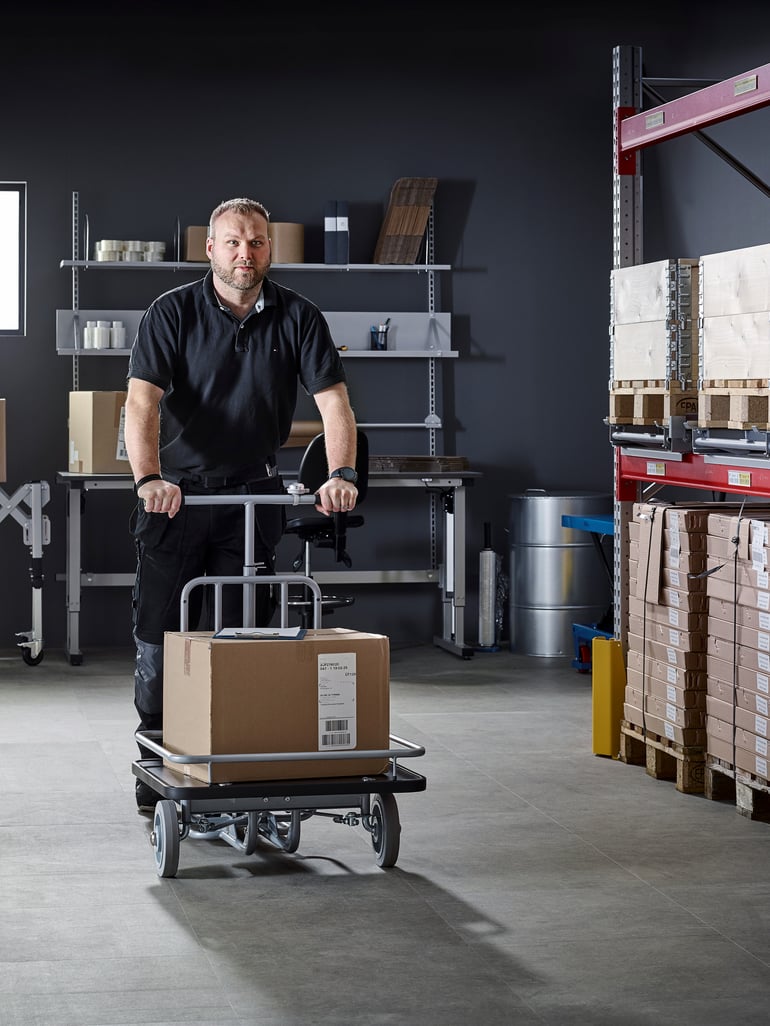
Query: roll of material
<point x="487" y="592"/>
<point x="288" y="242"/>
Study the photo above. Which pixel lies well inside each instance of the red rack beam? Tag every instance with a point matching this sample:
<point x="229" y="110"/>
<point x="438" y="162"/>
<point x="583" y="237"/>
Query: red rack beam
<point x="697" y="110"/>
<point x="692" y="471"/>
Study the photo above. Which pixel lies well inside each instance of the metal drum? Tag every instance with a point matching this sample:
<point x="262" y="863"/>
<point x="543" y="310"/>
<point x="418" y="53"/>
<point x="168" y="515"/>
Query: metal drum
<point x="557" y="577"/>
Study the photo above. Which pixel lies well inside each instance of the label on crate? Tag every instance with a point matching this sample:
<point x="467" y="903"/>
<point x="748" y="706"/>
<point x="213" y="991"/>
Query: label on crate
<point x="656" y="469"/>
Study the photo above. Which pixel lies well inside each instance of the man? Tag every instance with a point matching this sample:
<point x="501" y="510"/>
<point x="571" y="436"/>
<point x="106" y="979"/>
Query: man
<point x="212" y="390"/>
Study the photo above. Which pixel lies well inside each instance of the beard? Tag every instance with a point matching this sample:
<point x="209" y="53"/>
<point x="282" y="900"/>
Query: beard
<point x="242" y="279"/>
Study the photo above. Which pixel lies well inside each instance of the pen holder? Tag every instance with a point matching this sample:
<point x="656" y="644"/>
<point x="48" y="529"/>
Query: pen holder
<point x="378" y="336"/>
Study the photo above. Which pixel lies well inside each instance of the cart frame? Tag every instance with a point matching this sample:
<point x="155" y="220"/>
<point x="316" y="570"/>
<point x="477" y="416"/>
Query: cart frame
<point x="273" y="810"/>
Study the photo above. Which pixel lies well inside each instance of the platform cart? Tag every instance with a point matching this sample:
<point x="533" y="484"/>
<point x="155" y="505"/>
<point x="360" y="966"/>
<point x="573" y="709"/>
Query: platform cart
<point x="274" y="810"/>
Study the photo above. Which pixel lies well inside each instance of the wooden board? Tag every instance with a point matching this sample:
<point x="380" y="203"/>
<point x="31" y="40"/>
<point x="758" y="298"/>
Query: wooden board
<point x="406" y="220"/>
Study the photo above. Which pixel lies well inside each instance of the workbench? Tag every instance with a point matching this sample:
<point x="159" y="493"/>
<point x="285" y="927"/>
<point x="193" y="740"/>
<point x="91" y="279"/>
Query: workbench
<point x="447" y="492"/>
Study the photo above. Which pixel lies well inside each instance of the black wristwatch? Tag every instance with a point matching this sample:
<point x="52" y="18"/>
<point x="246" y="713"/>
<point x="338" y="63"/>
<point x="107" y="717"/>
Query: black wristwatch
<point x="346" y="473"/>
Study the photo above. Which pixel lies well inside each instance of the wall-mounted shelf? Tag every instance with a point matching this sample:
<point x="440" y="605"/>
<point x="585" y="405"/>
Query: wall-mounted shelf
<point x="189" y="265"/>
<point x="412" y="335"/>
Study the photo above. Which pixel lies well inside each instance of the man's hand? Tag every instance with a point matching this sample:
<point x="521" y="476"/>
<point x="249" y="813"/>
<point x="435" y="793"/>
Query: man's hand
<point x="161" y="497"/>
<point x="336" y="496"/>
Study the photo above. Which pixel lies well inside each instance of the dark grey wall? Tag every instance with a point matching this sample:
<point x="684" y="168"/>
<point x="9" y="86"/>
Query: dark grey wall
<point x="154" y="117"/>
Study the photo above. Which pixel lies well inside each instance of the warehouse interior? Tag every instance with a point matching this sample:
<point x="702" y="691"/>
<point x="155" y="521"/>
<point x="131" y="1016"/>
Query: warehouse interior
<point x="541" y="876"/>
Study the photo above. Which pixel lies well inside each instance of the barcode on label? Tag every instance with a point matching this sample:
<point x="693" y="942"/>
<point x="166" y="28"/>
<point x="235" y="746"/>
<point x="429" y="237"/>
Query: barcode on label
<point x="335" y="733"/>
<point x="336" y="739"/>
<point x="336" y="724"/>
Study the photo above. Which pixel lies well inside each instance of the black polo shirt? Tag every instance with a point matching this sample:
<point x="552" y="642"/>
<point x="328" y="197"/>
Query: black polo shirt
<point x="230" y="387"/>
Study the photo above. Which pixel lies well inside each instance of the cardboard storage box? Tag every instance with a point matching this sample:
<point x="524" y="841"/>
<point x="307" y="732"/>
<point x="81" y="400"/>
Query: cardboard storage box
<point x="96" y="433"/>
<point x="195" y="243"/>
<point x="287" y="242"/>
<point x="326" y="692"/>
<point x="3" y="470"/>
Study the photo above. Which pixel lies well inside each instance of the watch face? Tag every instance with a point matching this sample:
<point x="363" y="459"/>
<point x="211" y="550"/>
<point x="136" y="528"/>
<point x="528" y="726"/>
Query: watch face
<point x="346" y="473"/>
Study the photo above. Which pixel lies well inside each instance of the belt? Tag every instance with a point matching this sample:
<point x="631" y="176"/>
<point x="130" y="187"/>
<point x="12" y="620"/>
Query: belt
<point x="207" y="481"/>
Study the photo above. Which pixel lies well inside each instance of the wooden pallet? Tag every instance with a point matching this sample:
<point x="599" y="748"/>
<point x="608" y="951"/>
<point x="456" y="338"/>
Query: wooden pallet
<point x="737" y="404"/>
<point x="663" y="759"/>
<point x="750" y="794"/>
<point x="650" y="402"/>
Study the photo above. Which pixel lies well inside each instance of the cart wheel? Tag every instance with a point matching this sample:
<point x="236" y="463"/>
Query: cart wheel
<point x="289" y="830"/>
<point x="249" y="834"/>
<point x="29" y="659"/>
<point x="165" y="838"/>
<point x="386" y="829"/>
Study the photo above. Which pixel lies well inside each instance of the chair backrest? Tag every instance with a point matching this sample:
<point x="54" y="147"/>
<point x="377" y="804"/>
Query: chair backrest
<point x="314" y="467"/>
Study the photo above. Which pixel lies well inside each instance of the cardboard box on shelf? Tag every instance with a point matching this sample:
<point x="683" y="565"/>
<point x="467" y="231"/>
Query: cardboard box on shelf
<point x="287" y="242"/>
<point x="96" y="433"/>
<point x="3" y="470"/>
<point x="328" y="691"/>
<point x="195" y="243"/>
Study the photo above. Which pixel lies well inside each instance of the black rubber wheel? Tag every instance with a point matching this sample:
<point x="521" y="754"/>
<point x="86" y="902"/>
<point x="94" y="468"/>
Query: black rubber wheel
<point x="386" y="829"/>
<point x="289" y="830"/>
<point x="165" y="838"/>
<point x="249" y="833"/>
<point x="31" y="660"/>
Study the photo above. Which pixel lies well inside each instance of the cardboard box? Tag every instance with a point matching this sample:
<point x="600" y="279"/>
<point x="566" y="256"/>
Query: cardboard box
<point x="195" y="236"/>
<point x="683" y="698"/>
<point x="287" y="242"/>
<point x="97" y="442"/>
<point x="3" y="470"/>
<point x="678" y="677"/>
<point x="744" y="655"/>
<point x="671" y="616"/>
<point x="755" y="684"/>
<point x="329" y="691"/>
<point x="740" y="615"/>
<point x="666" y="653"/>
<point x="746" y="637"/>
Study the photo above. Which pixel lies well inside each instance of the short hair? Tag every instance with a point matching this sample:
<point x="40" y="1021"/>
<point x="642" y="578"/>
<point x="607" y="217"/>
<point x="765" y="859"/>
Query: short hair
<point x="241" y="205"/>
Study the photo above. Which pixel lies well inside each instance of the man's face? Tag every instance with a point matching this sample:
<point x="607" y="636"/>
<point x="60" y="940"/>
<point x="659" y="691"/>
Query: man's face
<point x="240" y="250"/>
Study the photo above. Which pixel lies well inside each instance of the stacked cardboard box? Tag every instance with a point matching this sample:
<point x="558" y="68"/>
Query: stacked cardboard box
<point x="738" y="663"/>
<point x="667" y="622"/>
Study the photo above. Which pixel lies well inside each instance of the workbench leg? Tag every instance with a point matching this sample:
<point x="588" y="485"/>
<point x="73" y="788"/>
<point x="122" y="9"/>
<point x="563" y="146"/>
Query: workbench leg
<point x="453" y="575"/>
<point x="72" y="573"/>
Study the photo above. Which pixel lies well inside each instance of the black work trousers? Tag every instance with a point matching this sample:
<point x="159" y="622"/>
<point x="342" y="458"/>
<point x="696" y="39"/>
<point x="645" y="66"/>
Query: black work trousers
<point x="200" y="540"/>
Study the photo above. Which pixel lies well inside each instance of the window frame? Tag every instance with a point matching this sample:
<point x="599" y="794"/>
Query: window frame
<point x="15" y="248"/>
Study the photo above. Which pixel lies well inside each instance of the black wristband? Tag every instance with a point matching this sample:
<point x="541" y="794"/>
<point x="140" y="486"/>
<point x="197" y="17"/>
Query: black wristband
<point x="145" y="479"/>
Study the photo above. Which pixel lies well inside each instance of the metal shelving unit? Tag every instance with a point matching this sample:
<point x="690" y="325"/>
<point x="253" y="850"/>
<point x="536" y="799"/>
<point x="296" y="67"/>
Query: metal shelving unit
<point x="69" y="327"/>
<point x="634" y="129"/>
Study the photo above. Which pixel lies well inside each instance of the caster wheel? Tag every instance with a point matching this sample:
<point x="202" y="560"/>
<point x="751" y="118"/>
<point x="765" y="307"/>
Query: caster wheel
<point x="386" y="829"/>
<point x="165" y="838"/>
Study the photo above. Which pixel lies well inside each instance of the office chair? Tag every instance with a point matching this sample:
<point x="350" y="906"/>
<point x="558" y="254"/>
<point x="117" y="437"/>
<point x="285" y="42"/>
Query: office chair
<point x="321" y="532"/>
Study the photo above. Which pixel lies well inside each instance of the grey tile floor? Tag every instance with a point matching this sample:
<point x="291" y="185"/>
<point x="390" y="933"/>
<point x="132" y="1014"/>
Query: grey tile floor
<point x="536" y="883"/>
